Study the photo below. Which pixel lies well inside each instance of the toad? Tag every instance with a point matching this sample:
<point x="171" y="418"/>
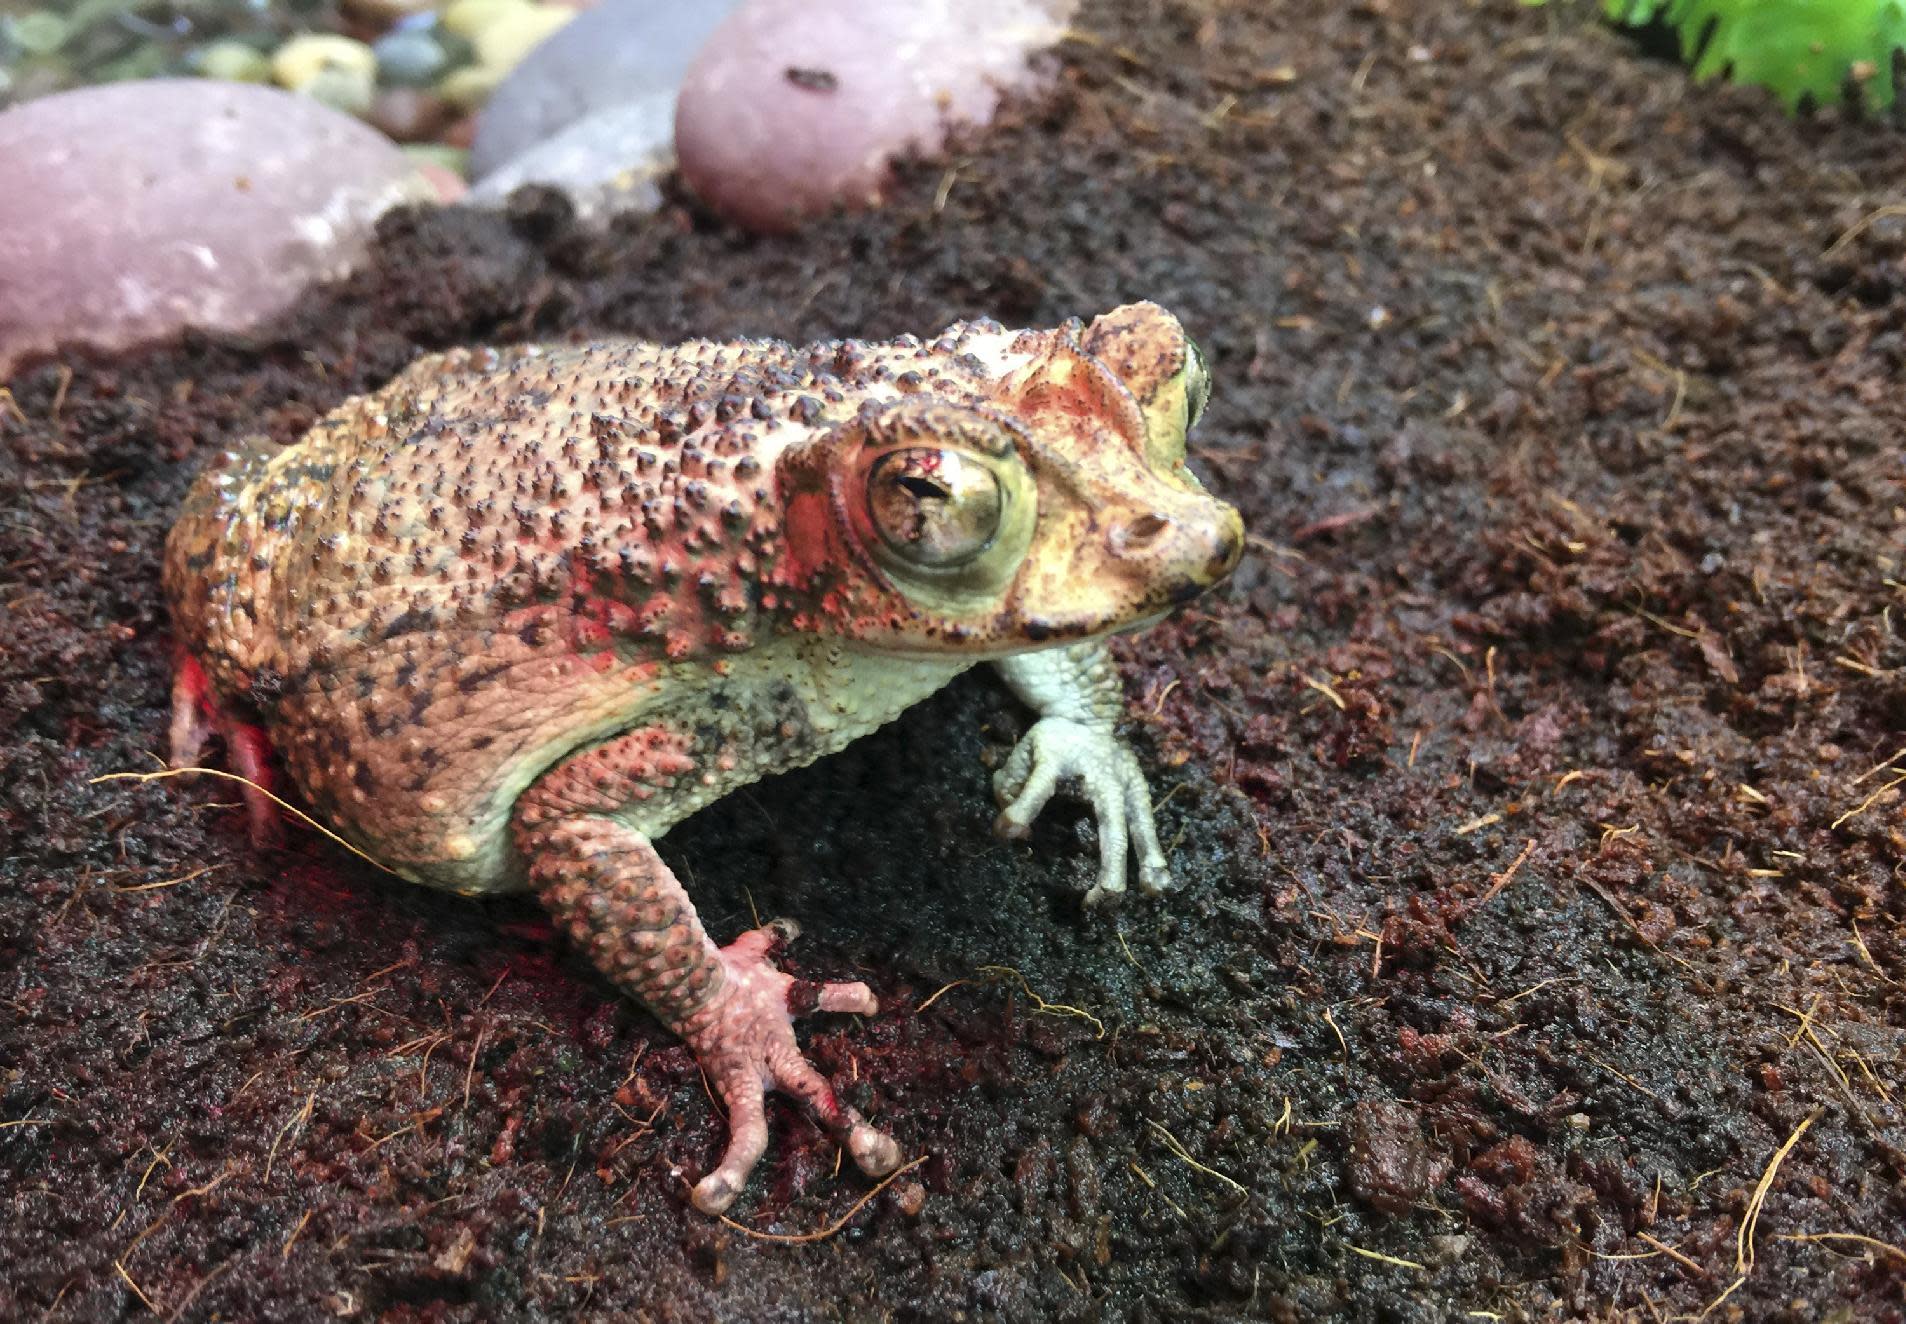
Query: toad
<point x="506" y="620"/>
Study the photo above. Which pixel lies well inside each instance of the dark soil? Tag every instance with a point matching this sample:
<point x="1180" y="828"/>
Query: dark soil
<point x="1528" y="786"/>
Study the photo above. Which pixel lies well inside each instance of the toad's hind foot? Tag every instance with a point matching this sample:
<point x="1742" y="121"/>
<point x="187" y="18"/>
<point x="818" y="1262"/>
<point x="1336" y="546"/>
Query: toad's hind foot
<point x="197" y="715"/>
<point x="611" y="893"/>
<point x="744" y="1038"/>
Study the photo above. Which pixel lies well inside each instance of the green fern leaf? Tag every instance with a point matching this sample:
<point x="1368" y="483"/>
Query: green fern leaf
<point x="1801" y="50"/>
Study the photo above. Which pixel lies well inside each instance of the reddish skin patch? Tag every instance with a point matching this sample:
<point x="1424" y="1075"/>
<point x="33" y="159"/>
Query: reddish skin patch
<point x="197" y="714"/>
<point x="810" y="538"/>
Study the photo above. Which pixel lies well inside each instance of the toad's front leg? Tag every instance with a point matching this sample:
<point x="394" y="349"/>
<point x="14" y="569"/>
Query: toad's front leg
<point x="618" y="902"/>
<point x="1079" y="699"/>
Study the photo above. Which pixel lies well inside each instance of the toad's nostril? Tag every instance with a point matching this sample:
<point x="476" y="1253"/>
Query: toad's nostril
<point x="1136" y="535"/>
<point x="1230" y="550"/>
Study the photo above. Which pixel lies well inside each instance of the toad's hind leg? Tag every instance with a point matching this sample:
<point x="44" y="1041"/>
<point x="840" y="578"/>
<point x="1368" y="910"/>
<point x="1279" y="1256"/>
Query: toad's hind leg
<point x="197" y="715"/>
<point x="609" y="890"/>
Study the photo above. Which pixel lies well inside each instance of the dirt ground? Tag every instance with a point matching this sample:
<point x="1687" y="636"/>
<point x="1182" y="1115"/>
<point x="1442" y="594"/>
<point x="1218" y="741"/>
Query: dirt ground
<point x="1534" y="787"/>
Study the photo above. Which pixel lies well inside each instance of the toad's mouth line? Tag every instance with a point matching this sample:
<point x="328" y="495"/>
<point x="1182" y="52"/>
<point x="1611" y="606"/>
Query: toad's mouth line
<point x="1024" y="644"/>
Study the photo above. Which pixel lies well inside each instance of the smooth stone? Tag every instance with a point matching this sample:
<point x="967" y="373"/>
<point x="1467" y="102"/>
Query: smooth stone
<point x="147" y="60"/>
<point x="137" y="209"/>
<point x="409" y="57"/>
<point x="468" y="18"/>
<point x="606" y="162"/>
<point x="795" y="107"/>
<point x="231" y="61"/>
<point x="622" y="50"/>
<point x="409" y="114"/>
<point x="39" y="32"/>
<point x="388" y="11"/>
<point x="338" y="71"/>
<point x="514" y="34"/>
<point x="469" y="87"/>
<point x="459" y="133"/>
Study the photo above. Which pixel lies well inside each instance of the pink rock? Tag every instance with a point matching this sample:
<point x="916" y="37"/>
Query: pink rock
<point x="795" y="106"/>
<point x="132" y="210"/>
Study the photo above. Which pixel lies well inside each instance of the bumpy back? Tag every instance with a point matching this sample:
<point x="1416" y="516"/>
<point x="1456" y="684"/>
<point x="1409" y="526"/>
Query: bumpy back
<point x="206" y="562"/>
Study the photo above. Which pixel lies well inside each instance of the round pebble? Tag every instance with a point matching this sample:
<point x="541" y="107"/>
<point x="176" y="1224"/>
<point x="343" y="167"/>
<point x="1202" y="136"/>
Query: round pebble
<point x="39" y="32"/>
<point x="388" y="11"/>
<point x="232" y="62"/>
<point x="469" y="87"/>
<point x="340" y="72"/>
<point x="468" y="18"/>
<point x="410" y="57"/>
<point x="795" y="107"/>
<point x="620" y="51"/>
<point x="409" y="114"/>
<point x="504" y="42"/>
<point x="133" y="210"/>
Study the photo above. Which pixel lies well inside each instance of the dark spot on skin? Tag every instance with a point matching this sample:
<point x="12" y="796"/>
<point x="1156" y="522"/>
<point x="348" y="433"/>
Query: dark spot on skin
<point x="410" y="619"/>
<point x="470" y="683"/>
<point x="482" y="743"/>
<point x="336" y="747"/>
<point x="1037" y="631"/>
<point x="363" y="778"/>
<point x="533" y="634"/>
<point x="267" y="684"/>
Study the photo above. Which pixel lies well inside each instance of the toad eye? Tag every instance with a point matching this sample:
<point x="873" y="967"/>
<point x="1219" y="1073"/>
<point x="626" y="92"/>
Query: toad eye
<point x="1197" y="384"/>
<point x="933" y="508"/>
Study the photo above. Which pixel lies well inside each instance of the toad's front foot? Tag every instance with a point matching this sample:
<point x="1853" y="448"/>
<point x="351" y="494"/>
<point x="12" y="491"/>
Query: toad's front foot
<point x="744" y="1039"/>
<point x="1058" y="748"/>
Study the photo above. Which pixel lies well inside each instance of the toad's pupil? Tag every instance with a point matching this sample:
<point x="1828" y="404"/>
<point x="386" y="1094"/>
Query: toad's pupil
<point x="934" y="508"/>
<point x="923" y="488"/>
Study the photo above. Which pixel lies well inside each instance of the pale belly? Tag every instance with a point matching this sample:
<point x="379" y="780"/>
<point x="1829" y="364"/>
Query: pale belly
<point x="776" y="707"/>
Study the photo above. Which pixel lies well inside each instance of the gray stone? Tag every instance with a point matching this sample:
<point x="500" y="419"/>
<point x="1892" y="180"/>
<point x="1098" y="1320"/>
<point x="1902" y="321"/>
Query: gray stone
<point x="607" y="162"/>
<point x="137" y="209"/>
<point x="410" y="57"/>
<point x="622" y="50"/>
